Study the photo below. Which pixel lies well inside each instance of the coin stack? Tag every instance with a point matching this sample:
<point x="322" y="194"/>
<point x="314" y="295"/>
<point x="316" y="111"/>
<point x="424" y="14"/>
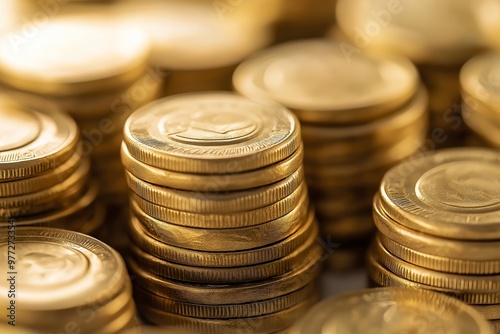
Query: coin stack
<point x="44" y="179"/>
<point x="224" y="235"/>
<point x="64" y="281"/>
<point x="437" y="217"/>
<point x="360" y="115"/>
<point x="392" y="310"/>
<point x="94" y="68"/>
<point x="439" y="36"/>
<point x="194" y="42"/>
<point x="480" y="82"/>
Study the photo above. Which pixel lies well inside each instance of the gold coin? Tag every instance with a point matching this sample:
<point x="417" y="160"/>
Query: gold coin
<point x="479" y="81"/>
<point x="384" y="277"/>
<point x="211" y="133"/>
<point x="314" y="79"/>
<point x="43" y="181"/>
<point x="406" y="270"/>
<point x="392" y="310"/>
<point x="238" y="258"/>
<point x="300" y="257"/>
<point x="216" y="202"/>
<point x="490" y="312"/>
<point x="428" y="244"/>
<point x="34" y="137"/>
<point x="62" y="271"/>
<point x="439" y="263"/>
<point x="263" y="324"/>
<point x="230" y="220"/>
<point x="227" y="311"/>
<point x="234" y="239"/>
<point x="109" y="54"/>
<point x="213" y="182"/>
<point x="453" y="194"/>
<point x="486" y="127"/>
<point x="209" y="294"/>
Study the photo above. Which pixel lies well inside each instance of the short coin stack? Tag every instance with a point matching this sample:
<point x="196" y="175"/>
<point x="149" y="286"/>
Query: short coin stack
<point x="44" y="180"/>
<point x="64" y="281"/>
<point x="94" y="68"/>
<point x="224" y="235"/>
<point x="480" y="81"/>
<point x="438" y="221"/>
<point x="360" y="115"/>
<point x="392" y="310"/>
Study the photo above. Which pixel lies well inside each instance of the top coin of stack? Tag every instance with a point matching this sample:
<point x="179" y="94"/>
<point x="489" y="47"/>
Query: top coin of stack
<point x="44" y="180"/>
<point x="480" y="81"/>
<point x="224" y="235"/>
<point x="360" y="115"/>
<point x="438" y="221"/>
<point x="392" y="310"/>
<point x="64" y="281"/>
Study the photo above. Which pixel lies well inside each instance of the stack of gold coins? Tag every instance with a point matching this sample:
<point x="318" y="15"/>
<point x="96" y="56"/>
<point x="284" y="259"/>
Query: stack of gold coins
<point x="95" y="68"/>
<point x="480" y="82"/>
<point x="439" y="36"/>
<point x="44" y="179"/>
<point x="360" y="115"/>
<point x="194" y="42"/>
<point x="224" y="237"/>
<point x="392" y="310"/>
<point x="438" y="221"/>
<point x="63" y="282"/>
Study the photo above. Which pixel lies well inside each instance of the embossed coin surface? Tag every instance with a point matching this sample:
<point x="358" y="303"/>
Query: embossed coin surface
<point x="315" y="76"/>
<point x="59" y="269"/>
<point x="34" y="138"/>
<point x="391" y="311"/>
<point x="453" y="193"/>
<point x="211" y="133"/>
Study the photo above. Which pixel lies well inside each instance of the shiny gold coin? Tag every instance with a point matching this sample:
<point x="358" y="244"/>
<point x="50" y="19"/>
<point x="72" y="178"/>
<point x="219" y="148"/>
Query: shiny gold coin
<point x="209" y="133"/>
<point x="470" y="283"/>
<point x="216" y="202"/>
<point x="35" y="137"/>
<point x="428" y="244"/>
<point x="384" y="277"/>
<point x="63" y="271"/>
<point x="439" y="263"/>
<point x="229" y="311"/>
<point x="43" y="181"/>
<point x="361" y="89"/>
<point x="263" y="324"/>
<point x="486" y="128"/>
<point x="213" y="182"/>
<point x="234" y="239"/>
<point x="300" y="257"/>
<point x="110" y="54"/>
<point x="386" y="310"/>
<point x="453" y="193"/>
<point x="490" y="312"/>
<point x="238" y="258"/>
<point x="209" y="294"/>
<point x="230" y="220"/>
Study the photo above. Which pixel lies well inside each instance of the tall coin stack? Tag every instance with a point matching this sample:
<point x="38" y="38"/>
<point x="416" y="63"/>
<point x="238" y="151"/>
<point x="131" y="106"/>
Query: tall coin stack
<point x="438" y="222"/>
<point x="62" y="281"/>
<point x="480" y="81"/>
<point x="438" y="36"/>
<point x="224" y="235"/>
<point x="44" y="179"/>
<point x="95" y="68"/>
<point x="360" y="115"/>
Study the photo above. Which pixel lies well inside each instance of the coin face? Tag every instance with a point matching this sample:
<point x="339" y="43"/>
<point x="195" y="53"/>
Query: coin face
<point x="316" y="75"/>
<point x="211" y="133"/>
<point x="60" y="269"/>
<point x="391" y="311"/>
<point x="72" y="49"/>
<point x="453" y="193"/>
<point x="34" y="138"/>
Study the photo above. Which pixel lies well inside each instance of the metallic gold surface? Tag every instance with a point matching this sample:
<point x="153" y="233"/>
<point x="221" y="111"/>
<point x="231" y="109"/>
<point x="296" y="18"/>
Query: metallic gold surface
<point x="396" y="310"/>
